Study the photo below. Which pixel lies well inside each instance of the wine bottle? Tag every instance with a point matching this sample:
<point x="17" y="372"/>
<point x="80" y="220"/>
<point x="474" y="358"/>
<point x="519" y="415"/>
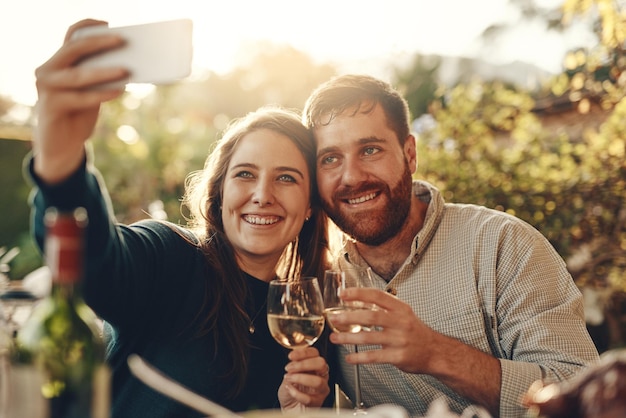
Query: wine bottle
<point x="59" y="354"/>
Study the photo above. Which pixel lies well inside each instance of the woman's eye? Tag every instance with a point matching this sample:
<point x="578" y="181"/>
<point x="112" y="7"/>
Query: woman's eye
<point x="244" y="174"/>
<point x="287" y="178"/>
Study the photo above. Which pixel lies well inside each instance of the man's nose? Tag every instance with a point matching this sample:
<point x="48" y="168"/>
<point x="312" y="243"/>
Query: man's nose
<point x="353" y="172"/>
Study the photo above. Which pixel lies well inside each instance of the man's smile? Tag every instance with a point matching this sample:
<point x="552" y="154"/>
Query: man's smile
<point x="362" y="199"/>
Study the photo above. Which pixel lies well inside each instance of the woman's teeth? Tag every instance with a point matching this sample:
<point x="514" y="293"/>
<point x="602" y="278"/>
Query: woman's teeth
<point x="261" y="220"/>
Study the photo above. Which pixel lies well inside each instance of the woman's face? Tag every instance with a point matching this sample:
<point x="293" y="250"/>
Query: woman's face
<point x="266" y="197"/>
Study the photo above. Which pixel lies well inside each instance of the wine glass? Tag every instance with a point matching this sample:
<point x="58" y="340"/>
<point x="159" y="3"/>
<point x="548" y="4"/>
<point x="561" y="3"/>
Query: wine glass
<point x="295" y="311"/>
<point x="334" y="282"/>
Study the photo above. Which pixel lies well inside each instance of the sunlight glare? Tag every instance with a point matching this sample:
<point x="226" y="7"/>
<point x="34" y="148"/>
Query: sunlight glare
<point x="352" y="35"/>
<point x="140" y="91"/>
<point x="127" y="134"/>
<point x="131" y="102"/>
<point x="220" y="121"/>
<point x="18" y="114"/>
<point x="174" y="125"/>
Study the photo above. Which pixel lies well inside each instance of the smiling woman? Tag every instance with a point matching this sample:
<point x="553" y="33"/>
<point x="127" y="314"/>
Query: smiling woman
<point x="186" y="298"/>
<point x="250" y="203"/>
<point x="266" y="197"/>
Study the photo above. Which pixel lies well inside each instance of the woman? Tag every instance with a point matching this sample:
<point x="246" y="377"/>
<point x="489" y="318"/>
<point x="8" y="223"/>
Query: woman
<point x="190" y="301"/>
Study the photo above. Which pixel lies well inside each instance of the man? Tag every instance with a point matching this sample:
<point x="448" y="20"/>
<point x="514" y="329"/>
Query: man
<point x="478" y="304"/>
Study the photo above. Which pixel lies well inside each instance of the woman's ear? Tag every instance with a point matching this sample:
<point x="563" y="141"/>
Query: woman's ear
<point x="309" y="212"/>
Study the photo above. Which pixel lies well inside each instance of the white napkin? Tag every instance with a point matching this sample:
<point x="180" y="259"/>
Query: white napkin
<point x="387" y="411"/>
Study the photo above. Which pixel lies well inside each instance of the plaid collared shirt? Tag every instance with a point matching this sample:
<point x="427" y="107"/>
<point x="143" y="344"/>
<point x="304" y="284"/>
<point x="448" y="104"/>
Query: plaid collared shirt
<point x="493" y="282"/>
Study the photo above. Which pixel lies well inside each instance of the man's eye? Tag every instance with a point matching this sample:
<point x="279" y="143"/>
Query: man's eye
<point x="370" y="150"/>
<point x="328" y="160"/>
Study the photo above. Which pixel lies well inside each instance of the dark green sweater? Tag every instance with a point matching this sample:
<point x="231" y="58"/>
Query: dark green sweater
<point x="146" y="281"/>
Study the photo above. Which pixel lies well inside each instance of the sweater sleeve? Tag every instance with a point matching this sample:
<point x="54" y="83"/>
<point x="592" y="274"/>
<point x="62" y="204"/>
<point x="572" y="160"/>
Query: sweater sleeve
<point x="134" y="273"/>
<point x="83" y="188"/>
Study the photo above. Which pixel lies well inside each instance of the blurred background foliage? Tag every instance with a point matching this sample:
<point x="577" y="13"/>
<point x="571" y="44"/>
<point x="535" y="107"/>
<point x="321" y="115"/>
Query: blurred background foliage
<point x="553" y="156"/>
<point x="533" y="154"/>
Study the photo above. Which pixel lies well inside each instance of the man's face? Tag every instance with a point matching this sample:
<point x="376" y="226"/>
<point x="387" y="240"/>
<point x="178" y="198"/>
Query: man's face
<point x="364" y="175"/>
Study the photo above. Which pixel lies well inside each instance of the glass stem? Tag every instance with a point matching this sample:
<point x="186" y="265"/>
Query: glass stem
<point x="358" y="401"/>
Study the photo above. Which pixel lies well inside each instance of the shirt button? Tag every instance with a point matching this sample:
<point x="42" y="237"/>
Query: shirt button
<point x="392" y="290"/>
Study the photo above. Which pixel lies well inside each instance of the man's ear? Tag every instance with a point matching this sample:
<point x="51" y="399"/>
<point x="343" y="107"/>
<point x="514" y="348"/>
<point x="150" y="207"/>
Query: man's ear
<point x="410" y="152"/>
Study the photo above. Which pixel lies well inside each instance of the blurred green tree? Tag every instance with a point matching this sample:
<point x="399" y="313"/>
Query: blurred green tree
<point x="418" y="83"/>
<point x="13" y="192"/>
<point x="14" y="211"/>
<point x="486" y="143"/>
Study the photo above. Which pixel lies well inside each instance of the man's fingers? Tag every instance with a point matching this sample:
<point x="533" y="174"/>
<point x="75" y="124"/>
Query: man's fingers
<point x="381" y="299"/>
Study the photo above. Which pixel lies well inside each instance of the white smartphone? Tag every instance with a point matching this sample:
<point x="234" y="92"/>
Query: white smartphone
<point x="156" y="53"/>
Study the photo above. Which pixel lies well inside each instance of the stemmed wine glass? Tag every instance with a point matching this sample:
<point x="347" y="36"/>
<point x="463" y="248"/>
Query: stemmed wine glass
<point x="295" y="311"/>
<point x="334" y="282"/>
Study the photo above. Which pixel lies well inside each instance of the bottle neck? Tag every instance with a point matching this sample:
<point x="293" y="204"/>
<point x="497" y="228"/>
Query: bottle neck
<point x="65" y="291"/>
<point x="64" y="247"/>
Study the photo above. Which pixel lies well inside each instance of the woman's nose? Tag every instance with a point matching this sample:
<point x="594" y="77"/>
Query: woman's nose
<point x="263" y="194"/>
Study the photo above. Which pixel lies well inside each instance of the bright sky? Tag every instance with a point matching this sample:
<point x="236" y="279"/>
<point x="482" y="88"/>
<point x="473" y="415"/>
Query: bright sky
<point x="355" y="34"/>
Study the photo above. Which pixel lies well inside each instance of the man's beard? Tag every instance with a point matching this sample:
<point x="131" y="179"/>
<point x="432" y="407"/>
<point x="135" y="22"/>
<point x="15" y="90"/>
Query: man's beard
<point x="376" y="227"/>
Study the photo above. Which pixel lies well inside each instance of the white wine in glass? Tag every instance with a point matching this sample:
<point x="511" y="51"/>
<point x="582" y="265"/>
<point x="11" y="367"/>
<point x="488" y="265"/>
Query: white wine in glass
<point x="295" y="311"/>
<point x="334" y="282"/>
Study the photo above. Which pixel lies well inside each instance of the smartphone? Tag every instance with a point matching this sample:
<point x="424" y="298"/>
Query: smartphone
<point x="156" y="53"/>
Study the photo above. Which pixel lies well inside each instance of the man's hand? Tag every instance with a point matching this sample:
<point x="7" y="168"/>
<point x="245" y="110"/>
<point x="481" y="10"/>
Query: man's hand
<point x="406" y="342"/>
<point x="410" y="345"/>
